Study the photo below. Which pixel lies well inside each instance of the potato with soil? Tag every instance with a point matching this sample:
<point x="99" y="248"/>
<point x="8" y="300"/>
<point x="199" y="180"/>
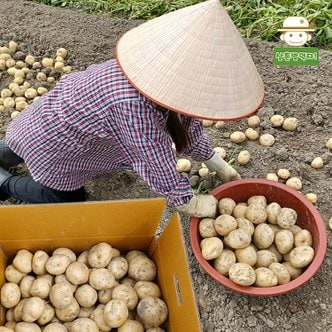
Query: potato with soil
<point x="211" y="247"/>
<point x="142" y="268"/>
<point x="115" y="313"/>
<point x="83" y="325"/>
<point x="224" y="224"/>
<point x="265" y="258"/>
<point x="32" y="309"/>
<point x="256" y="213"/>
<point x="281" y="272"/>
<point x="101" y="279"/>
<point x="272" y="210"/>
<point x="118" y="266"/>
<point x="265" y="277"/>
<point x="226" y="205"/>
<point x="131" y="326"/>
<point x="238" y="238"/>
<point x="147" y="288"/>
<point x="246" y="255"/>
<point x="206" y="228"/>
<point x="23" y="261"/>
<point x="286" y="218"/>
<point x="126" y="293"/>
<point x="61" y="295"/>
<point x="284" y="241"/>
<point x="302" y="237"/>
<point x="224" y="261"/>
<point x="39" y="260"/>
<point x="242" y="274"/>
<point x="57" y="264"/>
<point x="152" y="311"/>
<point x="100" y="255"/>
<point x="301" y="256"/>
<point x="10" y="295"/>
<point x="263" y="236"/>
<point x="77" y="273"/>
<point x="86" y="296"/>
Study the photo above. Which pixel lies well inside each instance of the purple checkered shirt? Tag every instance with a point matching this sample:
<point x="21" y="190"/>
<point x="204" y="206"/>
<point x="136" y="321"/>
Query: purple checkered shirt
<point x="93" y="122"/>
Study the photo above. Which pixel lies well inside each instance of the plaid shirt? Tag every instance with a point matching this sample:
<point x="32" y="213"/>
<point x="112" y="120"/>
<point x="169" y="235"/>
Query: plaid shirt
<point x="93" y="122"/>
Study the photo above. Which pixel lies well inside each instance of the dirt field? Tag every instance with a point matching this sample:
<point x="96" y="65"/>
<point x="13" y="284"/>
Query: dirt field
<point x="301" y="92"/>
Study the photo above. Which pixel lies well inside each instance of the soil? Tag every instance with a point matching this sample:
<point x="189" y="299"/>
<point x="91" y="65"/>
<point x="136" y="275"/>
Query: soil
<point x="300" y="92"/>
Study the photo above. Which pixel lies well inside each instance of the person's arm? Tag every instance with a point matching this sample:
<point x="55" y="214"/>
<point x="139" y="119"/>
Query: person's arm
<point x="200" y="150"/>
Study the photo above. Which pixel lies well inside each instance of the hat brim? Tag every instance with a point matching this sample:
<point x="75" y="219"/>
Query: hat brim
<point x="193" y="61"/>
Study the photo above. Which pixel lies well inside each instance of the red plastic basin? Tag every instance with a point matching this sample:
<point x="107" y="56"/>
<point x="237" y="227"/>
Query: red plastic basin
<point x="308" y="218"/>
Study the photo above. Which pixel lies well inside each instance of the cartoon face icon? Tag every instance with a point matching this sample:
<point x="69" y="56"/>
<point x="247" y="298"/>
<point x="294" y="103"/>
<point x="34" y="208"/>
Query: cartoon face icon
<point x="295" y="31"/>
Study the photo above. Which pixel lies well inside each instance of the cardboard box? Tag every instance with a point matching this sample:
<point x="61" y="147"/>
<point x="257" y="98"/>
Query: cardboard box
<point x="127" y="224"/>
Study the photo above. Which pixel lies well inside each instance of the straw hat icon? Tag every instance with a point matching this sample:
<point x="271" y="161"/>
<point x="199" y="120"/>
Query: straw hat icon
<point x="296" y="23"/>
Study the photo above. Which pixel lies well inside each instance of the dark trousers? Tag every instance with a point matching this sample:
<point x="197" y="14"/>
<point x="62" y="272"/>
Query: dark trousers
<point x="25" y="188"/>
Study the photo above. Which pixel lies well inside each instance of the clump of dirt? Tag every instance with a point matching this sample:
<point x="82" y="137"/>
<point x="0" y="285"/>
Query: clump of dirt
<point x="300" y="92"/>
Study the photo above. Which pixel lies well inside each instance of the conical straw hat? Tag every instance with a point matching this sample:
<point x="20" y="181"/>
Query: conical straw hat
<point x="193" y="61"/>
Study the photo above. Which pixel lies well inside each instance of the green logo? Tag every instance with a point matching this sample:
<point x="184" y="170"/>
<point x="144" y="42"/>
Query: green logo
<point x="296" y="56"/>
<point x="295" y="33"/>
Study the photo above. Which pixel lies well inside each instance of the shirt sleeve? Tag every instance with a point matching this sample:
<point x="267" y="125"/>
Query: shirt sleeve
<point x="199" y="148"/>
<point x="151" y="153"/>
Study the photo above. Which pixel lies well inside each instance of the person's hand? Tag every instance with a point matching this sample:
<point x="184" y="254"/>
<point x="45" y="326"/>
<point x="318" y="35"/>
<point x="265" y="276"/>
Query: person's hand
<point x="223" y="170"/>
<point x="201" y="206"/>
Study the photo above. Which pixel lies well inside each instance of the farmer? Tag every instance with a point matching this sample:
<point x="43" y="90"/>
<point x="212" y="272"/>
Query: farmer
<point x="169" y="74"/>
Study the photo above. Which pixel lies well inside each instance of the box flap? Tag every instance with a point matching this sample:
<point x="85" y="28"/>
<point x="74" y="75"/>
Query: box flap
<point x="175" y="280"/>
<point x="126" y="223"/>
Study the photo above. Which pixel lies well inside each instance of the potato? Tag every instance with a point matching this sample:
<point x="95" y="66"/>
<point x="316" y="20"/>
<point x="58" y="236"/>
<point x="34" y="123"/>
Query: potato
<point x="237" y="137"/>
<point x="207" y="123"/>
<point x="98" y="317"/>
<point x="83" y="258"/>
<point x="272" y="177"/>
<point x="277" y="120"/>
<point x="40" y="287"/>
<point x="101" y="279"/>
<point x="65" y="251"/>
<point x="155" y="329"/>
<point x="69" y="313"/>
<point x="272" y="210"/>
<point x="220" y="124"/>
<point x="294" y="183"/>
<point x="47" y="315"/>
<point x="243" y="157"/>
<point x="57" y="264"/>
<point x="246" y="225"/>
<point x="23" y="261"/>
<point x="242" y="274"/>
<point x="257" y="199"/>
<point x="274" y="250"/>
<point x="286" y="218"/>
<point x="18" y="309"/>
<point x="254" y="121"/>
<point x="131" y="326"/>
<point x="224" y="224"/>
<point x="284" y="241"/>
<point x="183" y="165"/>
<point x="115" y="313"/>
<point x="86" y="312"/>
<point x="5" y="329"/>
<point x="301" y="256"/>
<point x="281" y="273"/>
<point x="265" y="258"/>
<point x="77" y="273"/>
<point x="32" y="309"/>
<point x="256" y="213"/>
<point x="147" y="288"/>
<point x="290" y="124"/>
<point x="220" y="151"/>
<point x="239" y="210"/>
<point x="238" y="238"/>
<point x="100" y="255"/>
<point x="302" y="237"/>
<point x="263" y="236"/>
<point x="142" y="268"/>
<point x="83" y="325"/>
<point x="251" y="134"/>
<point x="204" y="171"/>
<point x="211" y="247"/>
<point x="126" y="293"/>
<point x="86" y="296"/>
<point x="152" y="311"/>
<point x="328" y="143"/>
<point x="105" y="295"/>
<point x="266" y="140"/>
<point x="118" y="266"/>
<point x="39" y="260"/>
<point x="61" y="295"/>
<point x="27" y="327"/>
<point x="246" y="255"/>
<point x="10" y="295"/>
<point x="295" y="228"/>
<point x="55" y="327"/>
<point x="224" y="261"/>
<point x="206" y="228"/>
<point x="265" y="277"/>
<point x="317" y="163"/>
<point x="283" y="173"/>
<point x="293" y="271"/>
<point x="311" y="197"/>
<point x="12" y="274"/>
<point x="226" y="205"/>
<point x="63" y="278"/>
<point x="133" y="254"/>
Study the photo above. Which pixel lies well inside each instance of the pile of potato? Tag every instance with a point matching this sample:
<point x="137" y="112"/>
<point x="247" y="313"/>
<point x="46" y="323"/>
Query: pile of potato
<point x="255" y="242"/>
<point x="28" y="77"/>
<point x="98" y="290"/>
